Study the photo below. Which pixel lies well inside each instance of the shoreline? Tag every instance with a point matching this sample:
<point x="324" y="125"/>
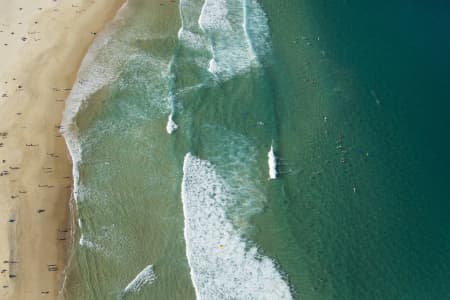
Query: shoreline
<point x="43" y="44"/>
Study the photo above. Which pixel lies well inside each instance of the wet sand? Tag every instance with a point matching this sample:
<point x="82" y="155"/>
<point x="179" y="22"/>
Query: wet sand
<point x="42" y="43"/>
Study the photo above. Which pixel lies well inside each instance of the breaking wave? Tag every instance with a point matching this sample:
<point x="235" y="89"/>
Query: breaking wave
<point x="146" y="276"/>
<point x="223" y="265"/>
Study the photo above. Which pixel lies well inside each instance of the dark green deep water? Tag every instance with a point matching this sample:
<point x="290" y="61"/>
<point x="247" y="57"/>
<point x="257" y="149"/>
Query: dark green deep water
<point x="354" y="96"/>
<point x="380" y="74"/>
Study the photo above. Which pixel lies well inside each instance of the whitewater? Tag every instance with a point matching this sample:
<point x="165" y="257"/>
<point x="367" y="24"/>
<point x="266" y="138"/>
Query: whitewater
<point x="223" y="266"/>
<point x="123" y="154"/>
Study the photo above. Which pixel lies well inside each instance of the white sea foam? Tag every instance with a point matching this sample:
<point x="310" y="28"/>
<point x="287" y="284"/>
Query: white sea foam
<point x="85" y="242"/>
<point x="93" y="74"/>
<point x="190" y="39"/>
<point x="234" y="32"/>
<point x="91" y="77"/>
<point x="222" y="265"/>
<point x="104" y="240"/>
<point x="213" y="67"/>
<point x="103" y="65"/>
<point x="171" y="125"/>
<point x="256" y="29"/>
<point x="272" y="162"/>
<point x="235" y="158"/>
<point x="245" y="28"/>
<point x="214" y="15"/>
<point x="191" y="36"/>
<point x="237" y="31"/>
<point x="146" y="276"/>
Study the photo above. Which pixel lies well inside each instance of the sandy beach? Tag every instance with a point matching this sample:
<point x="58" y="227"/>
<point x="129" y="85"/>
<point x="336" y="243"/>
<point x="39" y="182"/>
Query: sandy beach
<point x="42" y="43"/>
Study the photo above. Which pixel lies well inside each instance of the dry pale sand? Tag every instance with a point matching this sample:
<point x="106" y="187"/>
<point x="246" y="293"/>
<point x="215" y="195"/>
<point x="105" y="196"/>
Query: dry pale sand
<point x="42" y="43"/>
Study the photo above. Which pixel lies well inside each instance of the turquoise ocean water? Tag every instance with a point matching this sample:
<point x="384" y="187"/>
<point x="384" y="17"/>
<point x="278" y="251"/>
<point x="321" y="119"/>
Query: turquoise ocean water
<point x="171" y="122"/>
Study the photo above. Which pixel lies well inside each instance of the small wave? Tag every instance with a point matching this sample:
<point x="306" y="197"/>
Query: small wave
<point x="146" y="276"/>
<point x="272" y="162"/>
<point x="171" y="125"/>
<point x="85" y="242"/>
<point x="222" y="265"/>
